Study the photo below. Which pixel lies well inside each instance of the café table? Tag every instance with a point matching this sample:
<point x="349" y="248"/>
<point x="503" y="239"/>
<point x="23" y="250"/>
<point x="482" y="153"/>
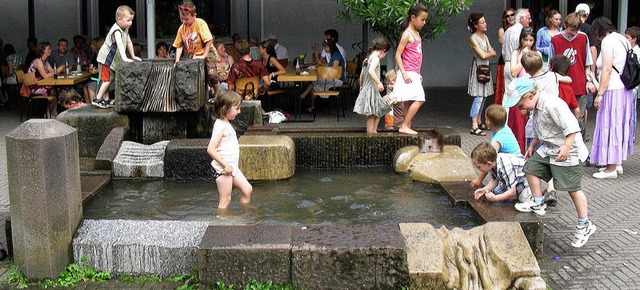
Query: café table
<point x="62" y="80"/>
<point x="306" y="75"/>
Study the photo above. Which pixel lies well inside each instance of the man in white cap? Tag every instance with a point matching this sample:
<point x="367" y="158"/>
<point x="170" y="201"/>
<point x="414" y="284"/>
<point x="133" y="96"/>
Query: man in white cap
<point x="281" y="51"/>
<point x="512" y="40"/>
<point x="559" y="156"/>
<point x="583" y="10"/>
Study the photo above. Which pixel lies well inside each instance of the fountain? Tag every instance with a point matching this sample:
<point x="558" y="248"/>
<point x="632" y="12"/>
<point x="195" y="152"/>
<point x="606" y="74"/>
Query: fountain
<point x="380" y="255"/>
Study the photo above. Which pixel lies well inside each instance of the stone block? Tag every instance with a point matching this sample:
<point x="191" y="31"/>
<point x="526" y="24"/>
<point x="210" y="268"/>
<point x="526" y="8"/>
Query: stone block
<point x="93" y="125"/>
<point x="239" y="254"/>
<point x="267" y="157"/>
<point x="187" y="85"/>
<point x="449" y="165"/>
<point x="402" y="158"/>
<point x="349" y="257"/>
<point x="109" y="149"/>
<point x="135" y="160"/>
<point x="187" y="159"/>
<point x="45" y="195"/>
<point x="424" y="256"/>
<point x="158" y="127"/>
<point x="164" y="248"/>
<point x="491" y="256"/>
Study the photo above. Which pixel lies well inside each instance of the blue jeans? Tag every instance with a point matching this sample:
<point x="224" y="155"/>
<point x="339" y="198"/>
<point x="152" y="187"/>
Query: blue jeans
<point x="476" y="106"/>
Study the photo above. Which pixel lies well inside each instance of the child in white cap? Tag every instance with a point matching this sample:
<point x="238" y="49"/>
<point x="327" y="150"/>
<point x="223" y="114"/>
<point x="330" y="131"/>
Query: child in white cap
<point x="559" y="156"/>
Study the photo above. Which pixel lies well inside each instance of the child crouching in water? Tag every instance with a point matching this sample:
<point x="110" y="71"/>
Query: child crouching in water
<point x="369" y="101"/>
<point x="507" y="178"/>
<point x="225" y="150"/>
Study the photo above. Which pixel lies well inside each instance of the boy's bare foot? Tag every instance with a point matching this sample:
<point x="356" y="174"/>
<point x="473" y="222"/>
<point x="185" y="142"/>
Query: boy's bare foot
<point x="406" y="130"/>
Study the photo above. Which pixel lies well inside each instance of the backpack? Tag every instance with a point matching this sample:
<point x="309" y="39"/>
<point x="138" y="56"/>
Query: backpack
<point x="630" y="74"/>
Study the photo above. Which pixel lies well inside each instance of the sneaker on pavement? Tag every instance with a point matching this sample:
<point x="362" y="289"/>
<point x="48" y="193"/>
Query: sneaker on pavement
<point x="531" y="206"/>
<point x="583" y="232"/>
<point x="619" y="169"/>
<point x="550" y="198"/>
<point x="605" y="175"/>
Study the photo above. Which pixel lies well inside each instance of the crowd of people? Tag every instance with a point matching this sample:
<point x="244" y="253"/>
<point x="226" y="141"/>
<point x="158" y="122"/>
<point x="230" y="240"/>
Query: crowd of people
<point x="547" y="80"/>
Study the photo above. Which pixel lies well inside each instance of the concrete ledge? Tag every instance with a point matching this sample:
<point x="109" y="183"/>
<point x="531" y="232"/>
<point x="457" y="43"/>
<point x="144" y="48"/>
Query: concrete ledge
<point x="93" y="125"/>
<point x="349" y="257"/>
<point x="164" y="248"/>
<point x="267" y="157"/>
<point x="239" y="254"/>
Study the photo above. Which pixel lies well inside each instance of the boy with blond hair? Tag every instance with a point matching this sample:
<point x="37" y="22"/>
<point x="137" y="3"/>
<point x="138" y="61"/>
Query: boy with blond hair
<point x="112" y="52"/>
<point x="559" y="156"/>
<point x="396" y="116"/>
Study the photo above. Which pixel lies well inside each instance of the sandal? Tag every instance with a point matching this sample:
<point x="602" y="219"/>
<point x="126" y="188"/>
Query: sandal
<point x="477" y="132"/>
<point x="483" y="126"/>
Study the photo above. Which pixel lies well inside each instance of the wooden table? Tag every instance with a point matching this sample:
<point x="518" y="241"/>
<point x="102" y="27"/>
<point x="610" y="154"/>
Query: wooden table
<point x="299" y="79"/>
<point x="64" y="80"/>
<point x="291" y="75"/>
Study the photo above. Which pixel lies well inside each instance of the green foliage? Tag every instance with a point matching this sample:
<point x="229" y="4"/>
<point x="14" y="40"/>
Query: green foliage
<point x="255" y="285"/>
<point x="75" y="274"/>
<point x="386" y="16"/>
<point x="15" y="279"/>
<point x="191" y="281"/>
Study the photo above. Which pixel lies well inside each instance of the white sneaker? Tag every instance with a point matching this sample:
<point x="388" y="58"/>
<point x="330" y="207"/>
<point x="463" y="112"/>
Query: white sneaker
<point x="531" y="206"/>
<point x="619" y="169"/>
<point x="605" y="175"/>
<point x="583" y="232"/>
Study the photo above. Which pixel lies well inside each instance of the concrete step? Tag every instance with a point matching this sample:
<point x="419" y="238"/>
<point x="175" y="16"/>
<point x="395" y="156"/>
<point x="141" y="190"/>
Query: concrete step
<point x="164" y="248"/>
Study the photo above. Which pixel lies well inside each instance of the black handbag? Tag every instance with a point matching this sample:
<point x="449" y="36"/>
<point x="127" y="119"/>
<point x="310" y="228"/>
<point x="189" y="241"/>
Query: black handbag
<point x="483" y="73"/>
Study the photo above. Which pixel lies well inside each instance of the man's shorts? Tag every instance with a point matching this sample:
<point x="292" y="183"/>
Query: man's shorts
<point x="106" y="74"/>
<point x="565" y="178"/>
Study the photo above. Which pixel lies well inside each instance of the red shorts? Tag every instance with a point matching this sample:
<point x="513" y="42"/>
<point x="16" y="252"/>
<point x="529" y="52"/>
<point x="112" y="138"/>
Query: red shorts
<point x="105" y="73"/>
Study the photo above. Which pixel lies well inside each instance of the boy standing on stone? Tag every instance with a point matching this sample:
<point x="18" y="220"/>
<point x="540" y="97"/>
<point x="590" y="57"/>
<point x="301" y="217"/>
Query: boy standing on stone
<point x="112" y="52"/>
<point x="507" y="178"/>
<point x="559" y="156"/>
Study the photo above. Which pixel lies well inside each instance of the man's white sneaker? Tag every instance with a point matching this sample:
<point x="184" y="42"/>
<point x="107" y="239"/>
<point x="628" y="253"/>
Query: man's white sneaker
<point x="583" y="232"/>
<point x="531" y="206"/>
<point x="619" y="169"/>
<point x="605" y="175"/>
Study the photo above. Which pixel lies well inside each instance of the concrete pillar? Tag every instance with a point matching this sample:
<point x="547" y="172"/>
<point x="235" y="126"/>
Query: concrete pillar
<point x="44" y="193"/>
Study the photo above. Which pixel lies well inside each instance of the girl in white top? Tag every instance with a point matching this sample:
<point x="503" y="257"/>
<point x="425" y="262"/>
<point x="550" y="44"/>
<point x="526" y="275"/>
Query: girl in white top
<point x="225" y="150"/>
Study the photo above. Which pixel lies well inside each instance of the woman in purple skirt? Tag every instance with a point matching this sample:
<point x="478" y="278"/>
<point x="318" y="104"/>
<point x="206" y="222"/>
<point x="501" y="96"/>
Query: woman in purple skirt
<point x="613" y="135"/>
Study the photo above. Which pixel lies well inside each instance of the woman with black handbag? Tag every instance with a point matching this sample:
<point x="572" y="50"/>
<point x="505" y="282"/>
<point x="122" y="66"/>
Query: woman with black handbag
<point x="480" y="82"/>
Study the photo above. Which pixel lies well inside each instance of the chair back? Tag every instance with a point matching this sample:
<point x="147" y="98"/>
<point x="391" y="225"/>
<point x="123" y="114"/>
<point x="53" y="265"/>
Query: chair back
<point x="351" y="69"/>
<point x="329" y="72"/>
<point x="283" y="62"/>
<point x="30" y="79"/>
<point x="247" y="87"/>
<point x="20" y="76"/>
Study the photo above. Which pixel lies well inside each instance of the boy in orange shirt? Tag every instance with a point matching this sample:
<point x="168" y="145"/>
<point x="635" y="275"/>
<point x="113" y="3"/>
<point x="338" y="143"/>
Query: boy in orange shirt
<point x="193" y="35"/>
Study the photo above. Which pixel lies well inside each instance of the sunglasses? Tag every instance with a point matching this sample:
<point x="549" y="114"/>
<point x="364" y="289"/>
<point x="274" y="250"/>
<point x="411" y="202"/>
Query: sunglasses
<point x="187" y="9"/>
<point x="509" y="15"/>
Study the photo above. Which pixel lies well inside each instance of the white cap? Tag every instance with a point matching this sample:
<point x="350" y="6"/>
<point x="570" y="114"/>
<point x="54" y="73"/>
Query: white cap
<point x="584" y="7"/>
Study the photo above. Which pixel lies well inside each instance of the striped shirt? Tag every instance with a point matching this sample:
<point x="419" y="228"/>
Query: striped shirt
<point x="509" y="173"/>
